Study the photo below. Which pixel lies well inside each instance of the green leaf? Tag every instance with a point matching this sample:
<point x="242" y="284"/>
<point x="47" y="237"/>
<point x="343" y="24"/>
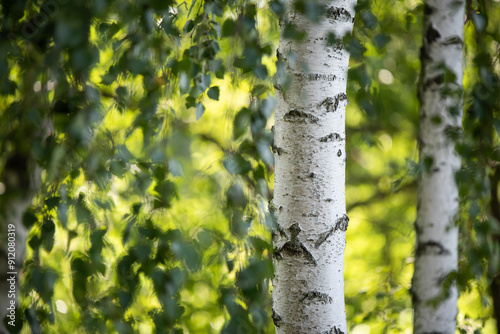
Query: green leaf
<point x="200" y="110"/>
<point x="83" y="214"/>
<point x="293" y="32"/>
<point x="381" y="40"/>
<point x="241" y="122"/>
<point x="228" y="28"/>
<point x="479" y="21"/>
<point x="52" y="202"/>
<point x="235" y="196"/>
<point x="167" y="191"/>
<point x="265" y="152"/>
<point x="260" y="71"/>
<point x="188" y="253"/>
<point x="34" y="242"/>
<point x="188" y="26"/>
<point x="259" y="90"/>
<point x="213" y="93"/>
<point x="278" y="7"/>
<point x="29" y="218"/>
<point x="47" y="235"/>
<point x="236" y="164"/>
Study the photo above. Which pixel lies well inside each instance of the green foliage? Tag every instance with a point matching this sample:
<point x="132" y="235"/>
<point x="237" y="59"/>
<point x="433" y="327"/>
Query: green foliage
<point x="128" y="231"/>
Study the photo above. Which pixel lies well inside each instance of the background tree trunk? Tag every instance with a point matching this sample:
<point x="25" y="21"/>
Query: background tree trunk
<point x="14" y="217"/>
<point x="19" y="191"/>
<point x="440" y="94"/>
<point x="309" y="190"/>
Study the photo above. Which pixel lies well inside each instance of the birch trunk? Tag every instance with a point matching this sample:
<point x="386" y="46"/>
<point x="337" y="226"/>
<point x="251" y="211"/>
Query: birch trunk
<point x="12" y="216"/>
<point x="440" y="94"/>
<point x="21" y="180"/>
<point x="309" y="188"/>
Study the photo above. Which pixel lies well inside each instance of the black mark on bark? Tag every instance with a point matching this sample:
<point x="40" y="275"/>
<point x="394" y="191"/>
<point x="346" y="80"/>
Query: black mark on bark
<point x="311" y="214"/>
<point x="334" y="330"/>
<point x="428" y="10"/>
<point x="332" y="104"/>
<point x="331" y="137"/>
<point x="341" y="224"/>
<point x="455" y="40"/>
<point x="297" y="116"/>
<point x="432" y="34"/>
<point x="328" y="103"/>
<point x="417" y="228"/>
<point x="277" y="86"/>
<point x="438" y="80"/>
<point x="297" y="249"/>
<point x="278" y="230"/>
<point x="335" y="46"/>
<point x="316" y="76"/>
<point x="340" y="14"/>
<point x="278" y="150"/>
<point x="316" y="296"/>
<point x="424" y="55"/>
<point x="276" y="319"/>
<point x="432" y="248"/>
<point x="294" y="247"/>
<point x="414" y="298"/>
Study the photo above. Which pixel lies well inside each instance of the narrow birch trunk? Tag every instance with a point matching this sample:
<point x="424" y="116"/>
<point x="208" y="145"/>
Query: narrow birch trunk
<point x="12" y="216"/>
<point x="309" y="189"/>
<point x="21" y="179"/>
<point x="440" y="94"/>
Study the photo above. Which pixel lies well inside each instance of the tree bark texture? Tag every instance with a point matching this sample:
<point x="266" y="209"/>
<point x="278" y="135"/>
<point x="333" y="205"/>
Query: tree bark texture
<point x="440" y="93"/>
<point x="309" y="189"/>
<point x="21" y="182"/>
<point x="14" y="216"/>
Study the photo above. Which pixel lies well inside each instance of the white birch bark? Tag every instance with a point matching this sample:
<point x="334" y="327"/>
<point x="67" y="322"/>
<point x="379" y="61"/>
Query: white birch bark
<point x="21" y="180"/>
<point x="13" y="215"/>
<point x="440" y="93"/>
<point x="309" y="188"/>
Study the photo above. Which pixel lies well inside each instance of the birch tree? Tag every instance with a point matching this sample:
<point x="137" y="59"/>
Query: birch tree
<point x="13" y="233"/>
<point x="309" y="193"/>
<point x="440" y="93"/>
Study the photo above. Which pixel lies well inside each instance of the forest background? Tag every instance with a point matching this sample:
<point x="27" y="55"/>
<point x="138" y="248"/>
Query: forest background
<point x="142" y="131"/>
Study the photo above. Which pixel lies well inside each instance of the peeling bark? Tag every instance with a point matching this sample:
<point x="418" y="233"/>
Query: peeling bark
<point x="308" y="287"/>
<point x="436" y="254"/>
